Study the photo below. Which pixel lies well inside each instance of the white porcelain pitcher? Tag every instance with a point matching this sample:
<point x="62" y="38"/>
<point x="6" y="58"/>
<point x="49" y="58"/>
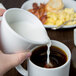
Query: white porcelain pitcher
<point x="12" y="41"/>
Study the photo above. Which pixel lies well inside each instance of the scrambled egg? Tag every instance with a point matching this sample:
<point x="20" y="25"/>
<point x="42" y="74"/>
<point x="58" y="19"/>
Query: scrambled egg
<point x="60" y="17"/>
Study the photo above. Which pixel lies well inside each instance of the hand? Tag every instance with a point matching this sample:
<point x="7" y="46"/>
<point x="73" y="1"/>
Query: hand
<point x="8" y="61"/>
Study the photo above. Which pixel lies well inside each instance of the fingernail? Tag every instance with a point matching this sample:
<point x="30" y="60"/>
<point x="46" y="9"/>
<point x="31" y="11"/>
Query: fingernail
<point x="28" y="54"/>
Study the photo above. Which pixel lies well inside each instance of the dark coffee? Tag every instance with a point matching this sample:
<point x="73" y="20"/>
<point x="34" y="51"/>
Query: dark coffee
<point x="57" y="56"/>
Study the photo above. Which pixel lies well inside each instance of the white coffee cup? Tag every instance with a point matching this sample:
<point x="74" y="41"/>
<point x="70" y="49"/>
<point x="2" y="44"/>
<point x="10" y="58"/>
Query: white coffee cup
<point x="34" y="70"/>
<point x="12" y="41"/>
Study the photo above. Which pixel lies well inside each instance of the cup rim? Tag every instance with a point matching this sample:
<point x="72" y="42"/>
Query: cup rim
<point x="69" y="58"/>
<point x="18" y="35"/>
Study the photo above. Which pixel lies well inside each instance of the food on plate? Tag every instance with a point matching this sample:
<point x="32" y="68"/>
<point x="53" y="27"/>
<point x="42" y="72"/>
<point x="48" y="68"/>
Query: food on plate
<point x="53" y="13"/>
<point x="39" y="11"/>
<point x="54" y="5"/>
<point x="61" y="17"/>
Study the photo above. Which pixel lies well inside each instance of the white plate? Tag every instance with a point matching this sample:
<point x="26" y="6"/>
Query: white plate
<point x="67" y="3"/>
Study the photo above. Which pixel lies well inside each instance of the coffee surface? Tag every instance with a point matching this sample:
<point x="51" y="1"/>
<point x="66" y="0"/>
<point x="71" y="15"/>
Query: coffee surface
<point x="57" y="57"/>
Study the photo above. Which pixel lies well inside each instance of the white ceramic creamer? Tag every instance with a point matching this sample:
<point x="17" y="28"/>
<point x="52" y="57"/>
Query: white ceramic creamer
<point x="21" y="30"/>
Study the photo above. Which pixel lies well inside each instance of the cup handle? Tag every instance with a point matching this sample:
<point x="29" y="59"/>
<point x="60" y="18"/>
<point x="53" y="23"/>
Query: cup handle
<point x="21" y="70"/>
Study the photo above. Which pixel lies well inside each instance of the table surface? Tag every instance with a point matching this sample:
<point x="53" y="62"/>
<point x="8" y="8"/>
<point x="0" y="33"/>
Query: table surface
<point x="64" y="35"/>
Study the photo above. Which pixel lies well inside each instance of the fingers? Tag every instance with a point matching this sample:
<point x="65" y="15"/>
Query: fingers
<point x="13" y="60"/>
<point x="21" y="57"/>
<point x="2" y="11"/>
<point x="16" y="59"/>
<point x="8" y="61"/>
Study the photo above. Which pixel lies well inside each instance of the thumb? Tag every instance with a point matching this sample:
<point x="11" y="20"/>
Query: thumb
<point x="16" y="59"/>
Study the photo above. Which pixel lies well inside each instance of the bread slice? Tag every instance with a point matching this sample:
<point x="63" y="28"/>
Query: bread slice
<point x="54" y="5"/>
